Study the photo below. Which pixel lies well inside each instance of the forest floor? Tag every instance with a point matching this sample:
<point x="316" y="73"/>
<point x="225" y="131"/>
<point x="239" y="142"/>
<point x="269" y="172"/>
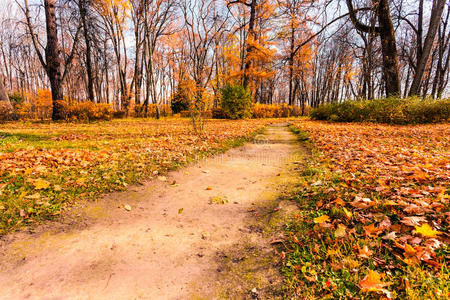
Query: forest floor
<point x="204" y="231"/>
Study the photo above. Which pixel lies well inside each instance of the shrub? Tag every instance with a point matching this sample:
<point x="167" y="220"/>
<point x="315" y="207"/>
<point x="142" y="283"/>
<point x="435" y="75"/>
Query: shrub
<point x="275" y="111"/>
<point x="24" y="111"/>
<point x="180" y="100"/>
<point x="217" y="113"/>
<point x="141" y="111"/>
<point x="207" y="114"/>
<point x="88" y="111"/>
<point x="16" y="99"/>
<point x="5" y="111"/>
<point x="388" y="110"/>
<point x="236" y="102"/>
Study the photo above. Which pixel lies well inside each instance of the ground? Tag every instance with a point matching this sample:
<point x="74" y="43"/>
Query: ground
<point x="193" y="233"/>
<point x="303" y="210"/>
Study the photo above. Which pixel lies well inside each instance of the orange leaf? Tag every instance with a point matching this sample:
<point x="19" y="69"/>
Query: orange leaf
<point x="372" y="283"/>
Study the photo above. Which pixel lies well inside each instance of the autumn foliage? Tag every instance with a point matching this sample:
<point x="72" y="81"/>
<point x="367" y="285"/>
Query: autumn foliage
<point x="376" y="202"/>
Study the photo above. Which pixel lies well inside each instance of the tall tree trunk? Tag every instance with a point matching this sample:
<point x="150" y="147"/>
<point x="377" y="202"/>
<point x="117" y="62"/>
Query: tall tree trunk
<point x="422" y="59"/>
<point x="385" y="30"/>
<point x="251" y="38"/>
<point x="83" y="6"/>
<point x="53" y="58"/>
<point x="4" y="99"/>
<point x="291" y="64"/>
<point x="389" y="50"/>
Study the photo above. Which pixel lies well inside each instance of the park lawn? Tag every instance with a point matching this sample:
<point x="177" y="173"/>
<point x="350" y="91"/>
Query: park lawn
<point x="46" y="167"/>
<point x="374" y="218"/>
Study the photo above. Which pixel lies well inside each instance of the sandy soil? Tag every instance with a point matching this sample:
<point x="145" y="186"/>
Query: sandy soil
<point x="173" y="243"/>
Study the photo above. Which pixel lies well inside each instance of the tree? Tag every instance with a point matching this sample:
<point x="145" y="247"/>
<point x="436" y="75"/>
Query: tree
<point x="83" y="6"/>
<point x="424" y="50"/>
<point x="52" y="63"/>
<point x="385" y="30"/>
<point x="4" y="99"/>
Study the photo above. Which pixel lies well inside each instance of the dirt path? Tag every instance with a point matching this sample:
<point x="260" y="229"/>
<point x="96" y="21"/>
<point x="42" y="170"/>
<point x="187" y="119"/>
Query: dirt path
<point x="172" y="244"/>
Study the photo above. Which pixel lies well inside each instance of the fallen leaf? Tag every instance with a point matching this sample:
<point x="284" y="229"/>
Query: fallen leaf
<point x="127" y="207"/>
<point x="348" y="213"/>
<point x="413" y="221"/>
<point x="426" y="230"/>
<point x="180" y="210"/>
<point x="365" y="252"/>
<point x="340" y="231"/>
<point x="321" y="219"/>
<point x="372" y="283"/>
<point x="40" y="184"/>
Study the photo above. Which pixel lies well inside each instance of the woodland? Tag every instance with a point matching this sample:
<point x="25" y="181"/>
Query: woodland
<point x="99" y="97"/>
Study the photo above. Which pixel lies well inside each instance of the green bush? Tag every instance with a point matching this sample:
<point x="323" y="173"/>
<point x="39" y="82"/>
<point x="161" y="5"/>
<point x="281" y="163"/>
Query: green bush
<point x="180" y="100"/>
<point x="236" y="102"/>
<point x="388" y="110"/>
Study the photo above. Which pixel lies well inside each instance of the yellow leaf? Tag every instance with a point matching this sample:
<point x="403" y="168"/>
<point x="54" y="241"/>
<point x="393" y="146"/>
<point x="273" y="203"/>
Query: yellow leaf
<point x="80" y="181"/>
<point x="426" y="231"/>
<point x="321" y="219"/>
<point x="340" y="231"/>
<point x="40" y="184"/>
<point x="372" y="283"/>
<point x="348" y="214"/>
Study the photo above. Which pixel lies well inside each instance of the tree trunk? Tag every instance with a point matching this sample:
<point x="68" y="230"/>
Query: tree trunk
<point x="250" y="40"/>
<point x="389" y="50"/>
<point x="4" y="99"/>
<point x="90" y="79"/>
<point x="422" y="59"/>
<point x="52" y="56"/>
<point x="385" y="30"/>
<point x="291" y="64"/>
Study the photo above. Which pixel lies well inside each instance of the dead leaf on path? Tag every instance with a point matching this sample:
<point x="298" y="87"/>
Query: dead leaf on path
<point x="180" y="210"/>
<point x="208" y="188"/>
<point x="205" y="171"/>
<point x="162" y="178"/>
<point x="127" y="207"/>
<point x="218" y="200"/>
